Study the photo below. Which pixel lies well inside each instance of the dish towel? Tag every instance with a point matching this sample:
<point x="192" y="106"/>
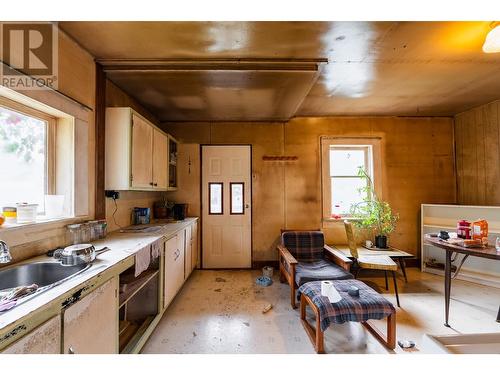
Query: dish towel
<point x="156" y="248"/>
<point x="142" y="260"/>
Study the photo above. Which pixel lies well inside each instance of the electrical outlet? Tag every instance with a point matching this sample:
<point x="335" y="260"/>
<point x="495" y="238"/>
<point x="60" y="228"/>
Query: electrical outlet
<point x="113" y="194"/>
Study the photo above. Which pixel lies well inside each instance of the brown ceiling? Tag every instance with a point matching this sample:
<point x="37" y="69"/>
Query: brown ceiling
<point x="374" y="68"/>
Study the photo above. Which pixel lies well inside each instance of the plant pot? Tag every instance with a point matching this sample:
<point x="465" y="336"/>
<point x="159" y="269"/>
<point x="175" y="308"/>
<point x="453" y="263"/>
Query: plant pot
<point x="381" y="242"/>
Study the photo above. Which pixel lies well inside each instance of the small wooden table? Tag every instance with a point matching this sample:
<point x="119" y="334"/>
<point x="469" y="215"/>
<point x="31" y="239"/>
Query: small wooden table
<point x="488" y="252"/>
<point x="392" y="252"/>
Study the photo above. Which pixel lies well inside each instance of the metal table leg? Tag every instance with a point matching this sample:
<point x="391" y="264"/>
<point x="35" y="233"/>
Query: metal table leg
<point x="402" y="264"/>
<point x="447" y="286"/>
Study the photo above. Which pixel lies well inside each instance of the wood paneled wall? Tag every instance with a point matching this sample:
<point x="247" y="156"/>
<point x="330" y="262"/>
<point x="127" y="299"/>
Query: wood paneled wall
<point x="477" y="144"/>
<point x="418" y="167"/>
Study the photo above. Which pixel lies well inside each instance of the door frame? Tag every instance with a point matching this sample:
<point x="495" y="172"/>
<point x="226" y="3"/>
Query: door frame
<point x="201" y="202"/>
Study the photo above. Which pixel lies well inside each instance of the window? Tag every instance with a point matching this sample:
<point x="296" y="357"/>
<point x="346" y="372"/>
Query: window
<point x="25" y="155"/>
<point x="341" y="159"/>
<point x="237" y="198"/>
<point x="216" y="198"/>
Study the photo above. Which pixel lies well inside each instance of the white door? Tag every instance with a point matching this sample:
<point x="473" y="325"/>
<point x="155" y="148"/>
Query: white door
<point x="226" y="213"/>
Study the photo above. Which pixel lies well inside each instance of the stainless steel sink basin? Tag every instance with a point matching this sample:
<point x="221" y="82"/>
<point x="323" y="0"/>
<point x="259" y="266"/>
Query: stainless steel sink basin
<point x="43" y="274"/>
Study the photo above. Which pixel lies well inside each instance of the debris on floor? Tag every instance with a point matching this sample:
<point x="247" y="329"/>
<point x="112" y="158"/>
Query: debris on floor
<point x="267" y="308"/>
<point x="263" y="281"/>
<point x="406" y="344"/>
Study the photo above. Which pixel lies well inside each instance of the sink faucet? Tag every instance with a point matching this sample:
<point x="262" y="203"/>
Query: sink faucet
<point x="5" y="256"/>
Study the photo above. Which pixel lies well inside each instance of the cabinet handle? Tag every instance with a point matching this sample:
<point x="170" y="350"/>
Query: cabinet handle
<point x="71" y="350"/>
<point x="155" y="184"/>
<point x="151" y="184"/>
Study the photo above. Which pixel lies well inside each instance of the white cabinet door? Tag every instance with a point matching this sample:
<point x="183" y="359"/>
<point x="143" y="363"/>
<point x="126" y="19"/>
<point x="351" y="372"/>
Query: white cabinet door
<point x="45" y="339"/>
<point x="194" y="245"/>
<point x="188" y="251"/>
<point x="91" y="324"/>
<point x="142" y="156"/>
<point x="174" y="269"/>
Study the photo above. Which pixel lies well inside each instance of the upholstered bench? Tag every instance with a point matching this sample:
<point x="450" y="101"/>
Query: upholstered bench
<point x="368" y="305"/>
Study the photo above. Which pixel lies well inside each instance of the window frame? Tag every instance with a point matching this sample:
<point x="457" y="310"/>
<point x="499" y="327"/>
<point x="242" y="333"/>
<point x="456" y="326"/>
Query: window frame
<point x="374" y="168"/>
<point x="50" y="140"/>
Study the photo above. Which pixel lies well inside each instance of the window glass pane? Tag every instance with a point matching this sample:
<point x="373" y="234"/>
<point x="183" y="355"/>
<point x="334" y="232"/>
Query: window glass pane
<point x="345" y="193"/>
<point x="345" y="162"/>
<point x="237" y="197"/>
<point x="22" y="159"/>
<point x="215" y="193"/>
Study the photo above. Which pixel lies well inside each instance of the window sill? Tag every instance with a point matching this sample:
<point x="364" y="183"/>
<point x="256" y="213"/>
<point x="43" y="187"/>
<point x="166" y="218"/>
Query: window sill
<point x="41" y="220"/>
<point x="332" y="220"/>
<point x="334" y="223"/>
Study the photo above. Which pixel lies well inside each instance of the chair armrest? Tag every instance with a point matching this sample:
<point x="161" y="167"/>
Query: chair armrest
<point x="338" y="257"/>
<point x="285" y="254"/>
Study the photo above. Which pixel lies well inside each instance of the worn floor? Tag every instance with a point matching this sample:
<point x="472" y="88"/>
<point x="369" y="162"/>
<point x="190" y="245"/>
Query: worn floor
<point x="220" y="312"/>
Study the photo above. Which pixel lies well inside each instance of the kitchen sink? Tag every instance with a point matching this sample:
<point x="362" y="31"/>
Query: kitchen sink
<point x="41" y="274"/>
<point x="44" y="274"/>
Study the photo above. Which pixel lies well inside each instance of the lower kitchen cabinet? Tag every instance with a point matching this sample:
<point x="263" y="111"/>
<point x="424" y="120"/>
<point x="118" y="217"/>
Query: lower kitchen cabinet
<point x="174" y="268"/>
<point x="194" y="245"/>
<point x="90" y="326"/>
<point x="188" y="251"/>
<point x="45" y="339"/>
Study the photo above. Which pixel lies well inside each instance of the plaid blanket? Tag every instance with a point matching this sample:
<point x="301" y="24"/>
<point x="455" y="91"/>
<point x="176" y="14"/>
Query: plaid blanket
<point x="305" y="246"/>
<point x="369" y="304"/>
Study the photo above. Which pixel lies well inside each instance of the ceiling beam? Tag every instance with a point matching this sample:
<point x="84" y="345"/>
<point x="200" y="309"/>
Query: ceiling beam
<point x="257" y="64"/>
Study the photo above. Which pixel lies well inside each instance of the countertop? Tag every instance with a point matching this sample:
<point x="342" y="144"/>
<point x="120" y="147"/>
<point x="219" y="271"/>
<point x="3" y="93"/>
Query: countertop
<point x="122" y="246"/>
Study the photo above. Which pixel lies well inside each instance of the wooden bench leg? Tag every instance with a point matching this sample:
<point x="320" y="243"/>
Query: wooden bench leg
<point x="315" y="334"/>
<point x="293" y="296"/>
<point x="389" y="340"/>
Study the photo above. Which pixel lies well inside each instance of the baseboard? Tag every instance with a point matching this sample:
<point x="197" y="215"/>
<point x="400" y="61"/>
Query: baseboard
<point x="258" y="264"/>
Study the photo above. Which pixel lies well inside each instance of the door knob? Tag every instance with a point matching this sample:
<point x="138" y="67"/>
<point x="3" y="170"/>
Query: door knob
<point x="247" y="205"/>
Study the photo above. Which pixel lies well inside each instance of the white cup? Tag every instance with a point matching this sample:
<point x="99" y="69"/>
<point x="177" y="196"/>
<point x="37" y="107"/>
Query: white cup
<point x="368" y="243"/>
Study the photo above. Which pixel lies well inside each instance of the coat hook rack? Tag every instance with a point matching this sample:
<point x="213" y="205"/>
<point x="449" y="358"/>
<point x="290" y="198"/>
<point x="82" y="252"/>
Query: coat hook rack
<point x="279" y="158"/>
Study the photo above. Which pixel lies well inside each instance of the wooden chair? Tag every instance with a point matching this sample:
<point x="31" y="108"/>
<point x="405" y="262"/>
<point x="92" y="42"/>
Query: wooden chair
<point x="303" y="257"/>
<point x="373" y="262"/>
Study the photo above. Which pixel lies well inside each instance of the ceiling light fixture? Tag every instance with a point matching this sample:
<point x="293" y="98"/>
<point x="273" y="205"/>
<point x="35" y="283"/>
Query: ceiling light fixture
<point x="492" y="41"/>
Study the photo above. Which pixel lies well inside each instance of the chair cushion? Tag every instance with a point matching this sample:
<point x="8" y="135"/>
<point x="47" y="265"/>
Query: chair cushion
<point x="305" y="246"/>
<point x="319" y="270"/>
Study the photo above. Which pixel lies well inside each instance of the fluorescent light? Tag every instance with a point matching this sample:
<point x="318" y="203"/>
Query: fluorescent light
<point x="492" y="42"/>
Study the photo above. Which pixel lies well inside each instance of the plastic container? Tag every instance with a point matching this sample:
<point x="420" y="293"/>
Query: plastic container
<point x="26" y="213"/>
<point x="95" y="229"/>
<point x="104" y="228"/>
<point x="480" y="231"/>
<point x="85" y="230"/>
<point x="267" y="271"/>
<point x="464" y="229"/>
<point x="74" y="234"/>
<point x="10" y="214"/>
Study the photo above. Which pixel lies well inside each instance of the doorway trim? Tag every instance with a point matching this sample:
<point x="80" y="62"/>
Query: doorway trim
<point x="202" y="208"/>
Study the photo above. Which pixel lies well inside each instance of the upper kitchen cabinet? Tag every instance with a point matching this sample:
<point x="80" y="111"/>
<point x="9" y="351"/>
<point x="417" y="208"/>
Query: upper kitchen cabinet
<point x="172" y="163"/>
<point x="139" y="156"/>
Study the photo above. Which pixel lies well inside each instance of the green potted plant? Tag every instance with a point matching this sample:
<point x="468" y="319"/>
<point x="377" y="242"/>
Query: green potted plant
<point x="373" y="214"/>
